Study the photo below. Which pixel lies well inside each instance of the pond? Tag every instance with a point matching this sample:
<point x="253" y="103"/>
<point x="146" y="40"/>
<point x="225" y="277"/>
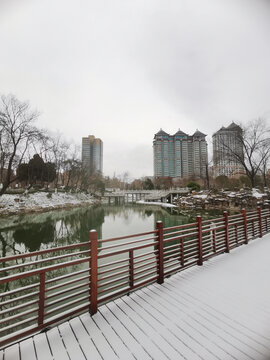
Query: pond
<point x="33" y="232"/>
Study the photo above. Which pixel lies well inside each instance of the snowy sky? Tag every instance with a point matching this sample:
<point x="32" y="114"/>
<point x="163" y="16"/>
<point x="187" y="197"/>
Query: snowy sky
<point x="123" y="69"/>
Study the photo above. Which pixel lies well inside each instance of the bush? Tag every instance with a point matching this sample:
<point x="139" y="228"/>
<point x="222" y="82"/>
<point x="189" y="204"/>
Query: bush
<point x="192" y="185"/>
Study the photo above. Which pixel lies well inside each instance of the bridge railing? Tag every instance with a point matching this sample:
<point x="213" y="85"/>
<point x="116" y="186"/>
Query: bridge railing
<point x="45" y="287"/>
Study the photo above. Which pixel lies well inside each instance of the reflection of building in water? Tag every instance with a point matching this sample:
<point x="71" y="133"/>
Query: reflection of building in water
<point x="169" y="221"/>
<point x="93" y="218"/>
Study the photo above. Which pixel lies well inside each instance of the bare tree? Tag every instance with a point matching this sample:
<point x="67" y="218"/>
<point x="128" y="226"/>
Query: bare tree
<point x="17" y="133"/>
<point x="254" y="141"/>
<point x="265" y="153"/>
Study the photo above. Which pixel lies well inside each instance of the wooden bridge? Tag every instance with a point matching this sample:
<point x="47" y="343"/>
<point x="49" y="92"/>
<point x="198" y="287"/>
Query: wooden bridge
<point x="220" y="310"/>
<point x="163" y="196"/>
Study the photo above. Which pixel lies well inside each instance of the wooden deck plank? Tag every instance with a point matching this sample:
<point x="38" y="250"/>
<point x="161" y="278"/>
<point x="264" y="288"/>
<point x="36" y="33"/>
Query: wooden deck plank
<point x="153" y="333"/>
<point x="204" y="334"/>
<point x="42" y="347"/>
<point x="58" y="349"/>
<point x="235" y="312"/>
<point x="84" y="339"/>
<point x="12" y="352"/>
<point x="179" y="342"/>
<point x="255" y="347"/>
<point x="189" y="334"/>
<point x="136" y="332"/>
<point x="134" y="346"/>
<point x="70" y="341"/>
<point x="231" y="313"/>
<point x="119" y="347"/>
<point x="101" y="343"/>
<point x="27" y="349"/>
<point x="157" y="324"/>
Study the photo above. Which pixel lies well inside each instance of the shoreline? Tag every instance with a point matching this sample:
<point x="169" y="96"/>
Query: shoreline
<point x="39" y="202"/>
<point x="164" y="205"/>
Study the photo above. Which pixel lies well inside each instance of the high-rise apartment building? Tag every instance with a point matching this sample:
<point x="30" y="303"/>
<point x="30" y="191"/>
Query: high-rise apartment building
<point x="180" y="155"/>
<point x="227" y="146"/>
<point x="92" y="154"/>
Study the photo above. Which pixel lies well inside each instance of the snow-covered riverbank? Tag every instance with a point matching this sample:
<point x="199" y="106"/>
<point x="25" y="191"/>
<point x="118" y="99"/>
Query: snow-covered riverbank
<point x="41" y="201"/>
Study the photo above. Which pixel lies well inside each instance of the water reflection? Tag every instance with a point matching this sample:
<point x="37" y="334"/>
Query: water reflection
<point x="19" y="234"/>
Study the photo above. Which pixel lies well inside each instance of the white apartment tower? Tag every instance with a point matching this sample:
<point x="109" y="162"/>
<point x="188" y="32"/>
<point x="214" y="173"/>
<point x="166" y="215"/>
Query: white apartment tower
<point x="227" y="146"/>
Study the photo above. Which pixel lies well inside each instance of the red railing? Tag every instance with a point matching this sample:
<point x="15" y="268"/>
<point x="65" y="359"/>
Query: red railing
<point x="45" y="287"/>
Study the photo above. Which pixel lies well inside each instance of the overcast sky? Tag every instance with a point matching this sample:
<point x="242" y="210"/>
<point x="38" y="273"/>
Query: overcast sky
<point x="123" y="69"/>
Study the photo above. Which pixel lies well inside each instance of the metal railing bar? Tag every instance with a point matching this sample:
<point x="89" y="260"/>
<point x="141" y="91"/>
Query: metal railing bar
<point x="118" y="252"/>
<point x="66" y="305"/>
<point x="114" y="276"/>
<point x="66" y="276"/>
<point x="48" y="289"/>
<point x="28" y="320"/>
<point x="113" y="287"/>
<point x="46" y="269"/>
<point x="19" y="298"/>
<point x="113" y="269"/>
<point x="66" y="291"/>
<point x="128" y="236"/>
<point x="71" y="296"/>
<point x="41" y="252"/>
<point x="16" y="316"/>
<point x="18" y="307"/>
<point x="31" y="263"/>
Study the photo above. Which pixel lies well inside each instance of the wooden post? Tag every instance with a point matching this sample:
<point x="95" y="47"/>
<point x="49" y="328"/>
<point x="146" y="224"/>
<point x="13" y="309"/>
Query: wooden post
<point x="93" y="271"/>
<point x="200" y="250"/>
<point x="260" y="220"/>
<point x="214" y="240"/>
<point x="159" y="227"/>
<point x="131" y="269"/>
<point x="41" y="302"/>
<point x="245" y="225"/>
<point x="226" y="232"/>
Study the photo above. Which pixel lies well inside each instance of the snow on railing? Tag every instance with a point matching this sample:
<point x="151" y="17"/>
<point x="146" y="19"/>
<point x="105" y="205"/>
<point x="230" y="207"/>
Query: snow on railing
<point x="45" y="287"/>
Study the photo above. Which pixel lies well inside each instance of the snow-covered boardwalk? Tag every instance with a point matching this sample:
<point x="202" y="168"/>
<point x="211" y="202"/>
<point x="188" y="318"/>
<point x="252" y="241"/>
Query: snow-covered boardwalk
<point x="220" y="310"/>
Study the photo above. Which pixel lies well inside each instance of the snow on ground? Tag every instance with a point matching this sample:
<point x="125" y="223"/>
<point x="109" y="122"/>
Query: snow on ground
<point x="10" y="204"/>
<point x="156" y="203"/>
<point x="257" y="194"/>
<point x="200" y="196"/>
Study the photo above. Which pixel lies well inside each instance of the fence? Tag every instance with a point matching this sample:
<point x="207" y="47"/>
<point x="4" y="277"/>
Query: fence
<point x="45" y="287"/>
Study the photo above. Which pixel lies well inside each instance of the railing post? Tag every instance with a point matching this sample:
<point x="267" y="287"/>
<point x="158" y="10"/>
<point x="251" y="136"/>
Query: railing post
<point x="214" y="240"/>
<point x="93" y="271"/>
<point x="200" y="250"/>
<point x="259" y="210"/>
<point x="159" y="227"/>
<point x="245" y="225"/>
<point x="131" y="269"/>
<point x="41" y="302"/>
<point x="226" y="230"/>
